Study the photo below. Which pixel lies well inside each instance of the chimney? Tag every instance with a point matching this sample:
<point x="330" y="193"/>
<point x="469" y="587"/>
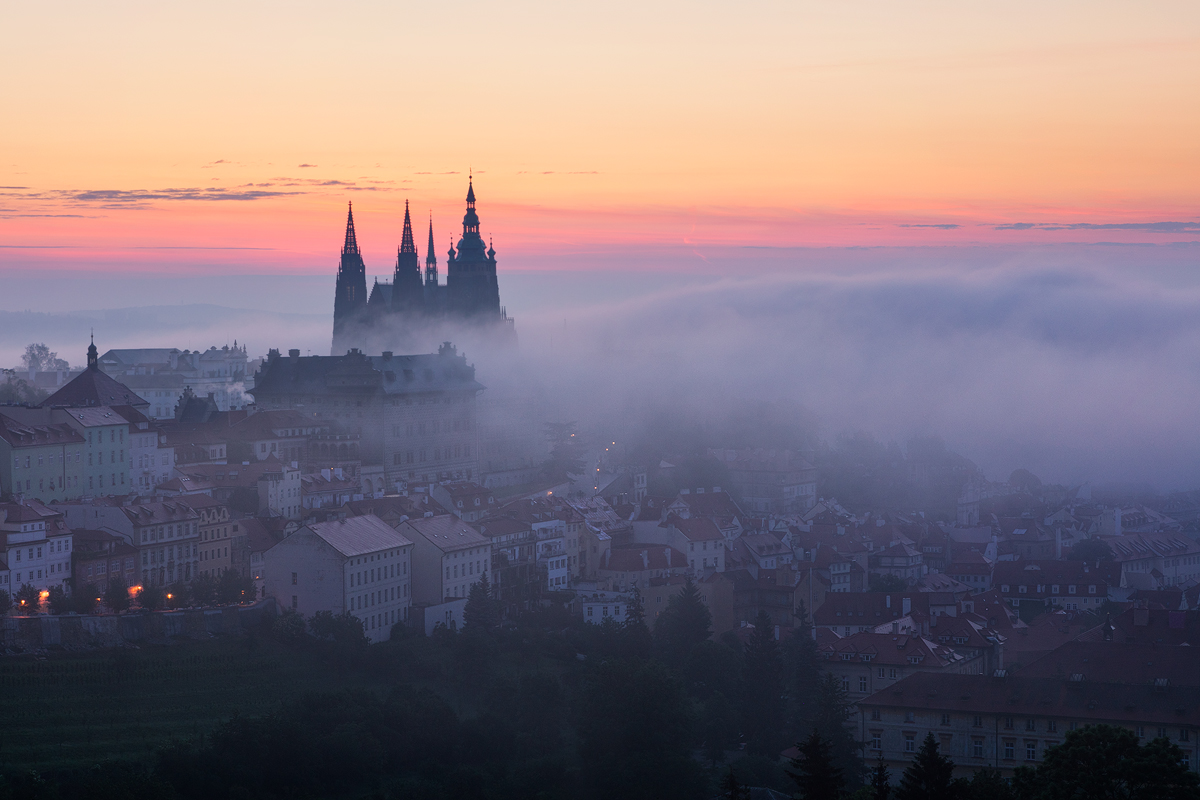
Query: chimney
<point x="327" y="474"/>
<point x="907" y="602"/>
<point x="387" y="355"/>
<point x="895" y="628"/>
<point x="338" y="473"/>
<point x="888" y="601"/>
<point x="645" y="560"/>
<point x="1058" y="543"/>
<point x="294" y="355"/>
<point x="667" y="550"/>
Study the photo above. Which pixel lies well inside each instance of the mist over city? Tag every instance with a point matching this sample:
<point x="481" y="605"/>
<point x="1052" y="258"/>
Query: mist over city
<point x="667" y="401"/>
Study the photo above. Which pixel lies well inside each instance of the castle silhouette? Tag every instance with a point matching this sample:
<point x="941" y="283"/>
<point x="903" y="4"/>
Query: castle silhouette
<point x="397" y="311"/>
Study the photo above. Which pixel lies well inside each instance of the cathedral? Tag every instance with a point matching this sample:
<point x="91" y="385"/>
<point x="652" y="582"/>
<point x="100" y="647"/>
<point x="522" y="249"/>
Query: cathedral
<point x="394" y="314"/>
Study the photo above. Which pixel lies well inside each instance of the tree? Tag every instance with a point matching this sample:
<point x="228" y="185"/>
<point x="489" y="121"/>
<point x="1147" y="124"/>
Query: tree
<point x="881" y="780"/>
<point x="38" y="357"/>
<point x="1090" y="549"/>
<point x="803" y="669"/>
<point x="288" y="626"/>
<point x="481" y="614"/>
<point x="718" y="726"/>
<point x="929" y="776"/>
<point x="178" y="594"/>
<point x="635" y="731"/>
<point x="987" y="784"/>
<point x="886" y="583"/>
<point x="762" y="690"/>
<point x="343" y="631"/>
<point x="83" y="601"/>
<point x="16" y="391"/>
<point x="731" y="789"/>
<point x="58" y="601"/>
<point x="204" y="590"/>
<point x="684" y="623"/>
<point x="832" y="712"/>
<point x="636" y="639"/>
<point x="1107" y="763"/>
<point x="816" y="776"/>
<point x="151" y="598"/>
<point x="116" y="596"/>
<point x="233" y="588"/>
<point x="29" y="599"/>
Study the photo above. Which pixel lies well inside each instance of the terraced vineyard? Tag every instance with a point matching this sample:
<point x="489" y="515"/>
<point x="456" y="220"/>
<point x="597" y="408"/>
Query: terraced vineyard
<point x="74" y="710"/>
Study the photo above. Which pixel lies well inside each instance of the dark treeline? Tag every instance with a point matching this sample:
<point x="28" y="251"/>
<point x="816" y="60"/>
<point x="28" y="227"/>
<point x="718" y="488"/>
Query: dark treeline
<point x="551" y="707"/>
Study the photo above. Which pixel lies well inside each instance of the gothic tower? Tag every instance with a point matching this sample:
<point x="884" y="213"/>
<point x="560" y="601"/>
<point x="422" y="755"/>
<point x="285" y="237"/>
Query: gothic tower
<point x="431" y="276"/>
<point x="471" y="285"/>
<point x="350" y="298"/>
<point x="408" y="294"/>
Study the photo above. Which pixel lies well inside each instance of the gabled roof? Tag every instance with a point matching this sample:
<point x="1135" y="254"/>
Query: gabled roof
<point x="446" y="532"/>
<point x="696" y="529"/>
<point x="356" y="536"/>
<point x="1118" y="662"/>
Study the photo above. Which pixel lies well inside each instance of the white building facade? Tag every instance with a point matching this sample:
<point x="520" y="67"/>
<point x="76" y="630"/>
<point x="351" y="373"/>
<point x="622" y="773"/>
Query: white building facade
<point x="358" y="565"/>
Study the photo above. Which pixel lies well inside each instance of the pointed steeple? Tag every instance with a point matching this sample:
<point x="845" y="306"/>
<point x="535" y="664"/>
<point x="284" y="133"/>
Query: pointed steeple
<point x="430" y="257"/>
<point x="351" y="246"/>
<point x="93" y="355"/>
<point x="407" y="245"/>
<point x="471" y="192"/>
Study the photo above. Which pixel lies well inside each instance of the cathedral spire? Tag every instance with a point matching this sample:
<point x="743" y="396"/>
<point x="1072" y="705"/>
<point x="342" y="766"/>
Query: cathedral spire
<point x="350" y="248"/>
<point x="471" y="192"/>
<point x="430" y="257"/>
<point x="93" y="355"/>
<point x="407" y="245"/>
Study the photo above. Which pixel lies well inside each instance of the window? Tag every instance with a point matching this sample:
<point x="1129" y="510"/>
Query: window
<point x="1183" y="735"/>
<point x="1031" y="724"/>
<point x="908" y="716"/>
<point x="910" y="743"/>
<point x="875" y="713"/>
<point x="1009" y="749"/>
<point x="862" y="683"/>
<point x="295" y="579"/>
<point x="892" y="673"/>
<point x="977" y="721"/>
<point x="876" y="740"/>
<point x="977" y="748"/>
<point x="1030" y="749"/>
<point x="945" y="719"/>
<point x="881" y="673"/>
<point x="845" y="684"/>
<point x="1008" y="723"/>
<point x="1071" y="589"/>
<point x="1051" y="726"/>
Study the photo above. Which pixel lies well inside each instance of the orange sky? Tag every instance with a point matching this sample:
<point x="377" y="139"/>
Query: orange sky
<point x="135" y="133"/>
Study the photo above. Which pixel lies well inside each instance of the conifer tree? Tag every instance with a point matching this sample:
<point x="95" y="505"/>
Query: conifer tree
<point x="684" y="624"/>
<point x="803" y="670"/>
<point x="482" y="612"/>
<point x="816" y="776"/>
<point x="881" y="780"/>
<point x="731" y="789"/>
<point x="832" y="712"/>
<point x="762" y="690"/>
<point x="929" y="776"/>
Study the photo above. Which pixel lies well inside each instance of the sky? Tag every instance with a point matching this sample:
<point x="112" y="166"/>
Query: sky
<point x="978" y="221"/>
<point x="228" y="137"/>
